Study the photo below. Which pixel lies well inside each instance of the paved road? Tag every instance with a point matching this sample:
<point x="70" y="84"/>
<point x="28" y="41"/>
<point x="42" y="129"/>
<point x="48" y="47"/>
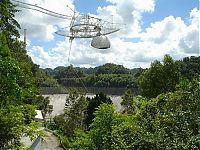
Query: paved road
<point x="50" y="142"/>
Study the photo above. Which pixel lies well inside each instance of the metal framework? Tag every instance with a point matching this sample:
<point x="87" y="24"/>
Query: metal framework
<point x="81" y="25"/>
<point x="85" y="26"/>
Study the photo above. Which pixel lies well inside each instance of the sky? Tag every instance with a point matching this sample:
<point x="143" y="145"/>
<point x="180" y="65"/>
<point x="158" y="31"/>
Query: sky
<point x="152" y="29"/>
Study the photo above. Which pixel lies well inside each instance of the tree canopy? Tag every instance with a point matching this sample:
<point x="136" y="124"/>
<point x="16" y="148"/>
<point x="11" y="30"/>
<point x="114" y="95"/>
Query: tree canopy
<point x="189" y="67"/>
<point x="159" y="78"/>
<point x="171" y="120"/>
<point x="18" y="84"/>
<point x="110" y="68"/>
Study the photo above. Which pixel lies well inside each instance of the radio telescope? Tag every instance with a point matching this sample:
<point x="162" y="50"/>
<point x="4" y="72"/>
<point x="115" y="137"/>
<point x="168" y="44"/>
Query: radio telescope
<point x="81" y="25"/>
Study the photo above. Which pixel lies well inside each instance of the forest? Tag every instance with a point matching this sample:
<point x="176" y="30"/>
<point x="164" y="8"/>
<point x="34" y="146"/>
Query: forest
<point x="164" y="114"/>
<point x="109" y="75"/>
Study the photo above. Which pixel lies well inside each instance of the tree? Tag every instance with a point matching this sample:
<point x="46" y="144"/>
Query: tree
<point x="101" y="128"/>
<point x="9" y="29"/>
<point x="151" y="81"/>
<point x="15" y="122"/>
<point x="81" y="141"/>
<point x="17" y="83"/>
<point x="93" y="104"/>
<point x="131" y="103"/>
<point x="159" y="78"/>
<point x="110" y="68"/>
<point x="74" y="115"/>
<point x="4" y="50"/>
<point x="172" y="119"/>
<point x="105" y="132"/>
<point x="69" y="72"/>
<point x="10" y="73"/>
<point x="171" y="74"/>
<point x="10" y="90"/>
<point x="112" y="80"/>
<point x="127" y="101"/>
<point x="189" y="67"/>
<point x="45" y="80"/>
<point x="8" y="25"/>
<point x="128" y="135"/>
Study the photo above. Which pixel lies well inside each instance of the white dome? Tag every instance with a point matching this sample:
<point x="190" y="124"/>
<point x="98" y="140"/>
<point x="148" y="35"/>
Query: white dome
<point x="100" y="42"/>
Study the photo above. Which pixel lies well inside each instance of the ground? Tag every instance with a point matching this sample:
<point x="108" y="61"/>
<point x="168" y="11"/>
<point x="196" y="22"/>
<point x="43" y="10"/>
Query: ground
<point x="50" y="142"/>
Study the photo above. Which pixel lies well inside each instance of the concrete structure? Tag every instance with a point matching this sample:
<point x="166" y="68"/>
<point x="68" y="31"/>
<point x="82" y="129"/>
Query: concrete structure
<point x="39" y="116"/>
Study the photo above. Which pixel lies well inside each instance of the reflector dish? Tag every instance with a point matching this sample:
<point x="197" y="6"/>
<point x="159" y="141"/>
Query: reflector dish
<point x="81" y="25"/>
<point x="100" y="42"/>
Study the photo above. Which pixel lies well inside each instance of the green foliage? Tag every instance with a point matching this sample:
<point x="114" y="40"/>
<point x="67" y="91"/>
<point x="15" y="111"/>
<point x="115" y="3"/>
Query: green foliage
<point x="17" y="83"/>
<point x="169" y="121"/>
<point x="4" y="50"/>
<point x="41" y="103"/>
<point x="171" y="74"/>
<point x="173" y="118"/>
<point x="129" y="136"/>
<point x="72" y="82"/>
<point x="8" y="25"/>
<point x="112" y="80"/>
<point x="49" y="82"/>
<point x="127" y="101"/>
<point x="136" y="72"/>
<point x="11" y="47"/>
<point x="74" y="115"/>
<point x="45" y="80"/>
<point x="10" y="73"/>
<point x="189" y="67"/>
<point x="10" y="90"/>
<point x="151" y="81"/>
<point x="110" y="68"/>
<point x="28" y="79"/>
<point x="108" y="75"/>
<point x="101" y="135"/>
<point x="159" y="78"/>
<point x="101" y="128"/>
<point x="101" y="80"/>
<point x="163" y="77"/>
<point x="81" y="141"/>
<point x="15" y="122"/>
<point x="49" y="71"/>
<point x="69" y="72"/>
<point x="93" y="104"/>
<point x="131" y="103"/>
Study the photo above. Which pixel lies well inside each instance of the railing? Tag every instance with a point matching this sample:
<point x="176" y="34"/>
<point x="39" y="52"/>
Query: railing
<point x="37" y="144"/>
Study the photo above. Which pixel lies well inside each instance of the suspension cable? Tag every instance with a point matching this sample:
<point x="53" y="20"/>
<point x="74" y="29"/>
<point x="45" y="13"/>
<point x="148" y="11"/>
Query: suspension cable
<point x="70" y="40"/>
<point x="41" y="9"/>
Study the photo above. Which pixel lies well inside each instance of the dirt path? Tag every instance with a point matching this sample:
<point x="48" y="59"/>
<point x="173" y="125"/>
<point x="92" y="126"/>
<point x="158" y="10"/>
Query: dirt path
<point x="50" y="142"/>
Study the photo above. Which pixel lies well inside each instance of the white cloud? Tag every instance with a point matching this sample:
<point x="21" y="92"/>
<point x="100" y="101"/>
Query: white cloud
<point x="169" y="29"/>
<point x="127" y="12"/>
<point x="189" y="42"/>
<point x="174" y="35"/>
<point x="147" y="5"/>
<point x="168" y="36"/>
<point x="39" y="25"/>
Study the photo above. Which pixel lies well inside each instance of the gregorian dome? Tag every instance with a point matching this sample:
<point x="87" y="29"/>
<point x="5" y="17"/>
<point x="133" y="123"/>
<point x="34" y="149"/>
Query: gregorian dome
<point x="100" y="42"/>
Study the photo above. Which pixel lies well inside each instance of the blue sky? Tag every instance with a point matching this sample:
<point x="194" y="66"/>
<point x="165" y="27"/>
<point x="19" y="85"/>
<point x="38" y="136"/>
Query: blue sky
<point x="89" y="6"/>
<point x="163" y="8"/>
<point x="177" y="8"/>
<point x="153" y="28"/>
